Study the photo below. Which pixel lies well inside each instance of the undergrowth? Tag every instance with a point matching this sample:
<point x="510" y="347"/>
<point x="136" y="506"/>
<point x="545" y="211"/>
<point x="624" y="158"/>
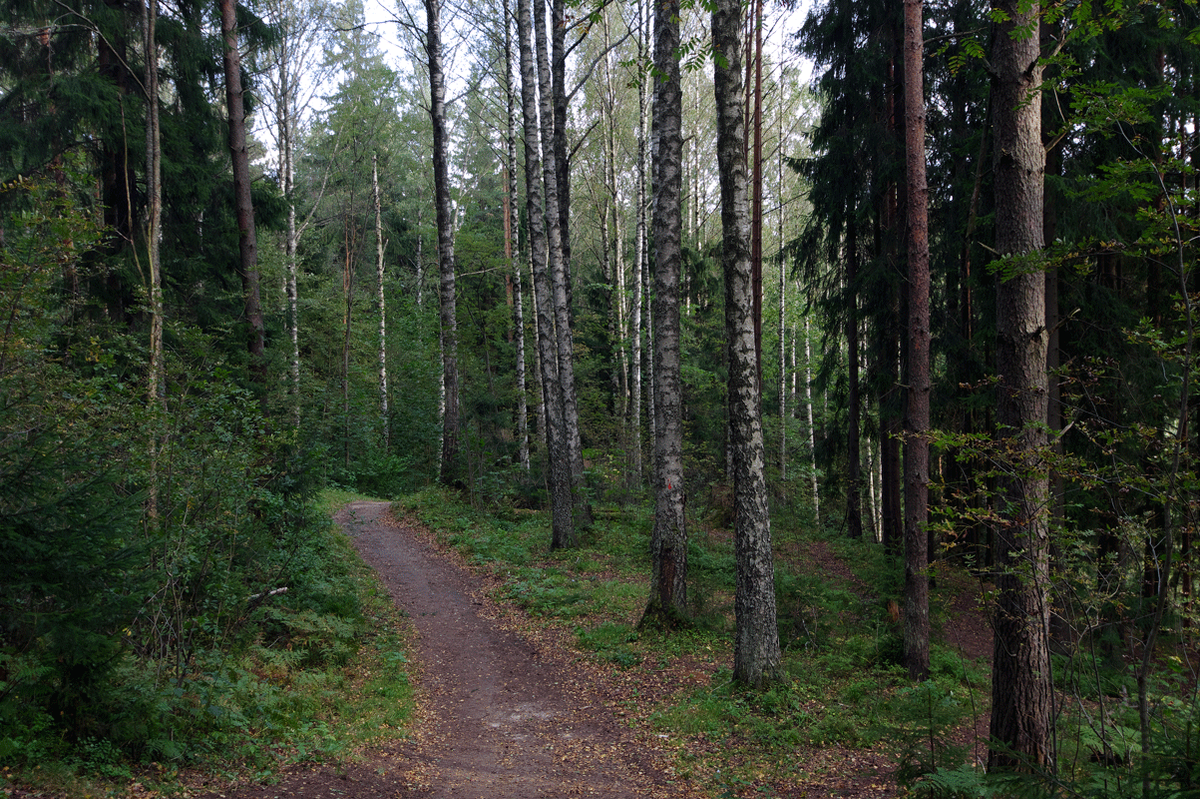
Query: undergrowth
<point x="324" y="677"/>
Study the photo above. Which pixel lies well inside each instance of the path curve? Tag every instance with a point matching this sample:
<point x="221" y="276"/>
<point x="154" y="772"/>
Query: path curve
<point x="498" y="717"/>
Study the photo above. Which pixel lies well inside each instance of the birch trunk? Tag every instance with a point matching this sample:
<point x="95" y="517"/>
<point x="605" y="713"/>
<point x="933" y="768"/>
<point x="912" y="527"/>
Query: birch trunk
<point x="445" y="241"/>
<point x="812" y="428"/>
<point x="379" y="247"/>
<point x="668" y="543"/>
<point x="559" y="280"/>
<point x="557" y="452"/>
<point x="639" y="257"/>
<point x="510" y="206"/>
<point x="756" y="658"/>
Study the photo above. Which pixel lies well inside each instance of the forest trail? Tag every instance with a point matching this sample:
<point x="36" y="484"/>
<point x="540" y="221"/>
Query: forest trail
<point x="498" y="717"/>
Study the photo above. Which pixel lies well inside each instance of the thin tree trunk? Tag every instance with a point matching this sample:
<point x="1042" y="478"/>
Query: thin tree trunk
<point x="558" y="454"/>
<point x="244" y="206"/>
<point x="559" y="279"/>
<point x="351" y="247"/>
<point x="916" y="438"/>
<point x="287" y="174"/>
<point x="379" y="247"/>
<point x="668" y="543"/>
<point x="445" y="241"/>
<point x="783" y="381"/>
<point x="812" y="428"/>
<point x="155" y="383"/>
<point x="854" y="527"/>
<point x="637" y="324"/>
<point x="756" y="642"/>
<point x="510" y="208"/>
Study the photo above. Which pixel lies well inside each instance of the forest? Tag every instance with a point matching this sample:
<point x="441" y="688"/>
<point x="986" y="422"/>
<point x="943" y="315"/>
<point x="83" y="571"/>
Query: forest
<point x="913" y="276"/>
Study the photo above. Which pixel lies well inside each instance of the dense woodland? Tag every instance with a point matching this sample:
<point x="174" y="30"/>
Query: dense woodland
<point x="938" y="297"/>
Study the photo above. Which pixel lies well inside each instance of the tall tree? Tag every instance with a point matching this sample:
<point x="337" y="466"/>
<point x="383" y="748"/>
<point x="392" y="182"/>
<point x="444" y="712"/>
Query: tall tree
<point x="1022" y="713"/>
<point x="558" y="265"/>
<point x="240" y="154"/>
<point x="756" y="653"/>
<point x="156" y="382"/>
<point x="445" y="241"/>
<point x="380" y="245"/>
<point x="558" y="454"/>
<point x="916" y="441"/>
<point x="511" y="216"/>
<point x="668" y="543"/>
<point x="292" y="82"/>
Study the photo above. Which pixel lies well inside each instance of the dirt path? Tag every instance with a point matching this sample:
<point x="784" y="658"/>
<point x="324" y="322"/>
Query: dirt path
<point x="498" y="717"/>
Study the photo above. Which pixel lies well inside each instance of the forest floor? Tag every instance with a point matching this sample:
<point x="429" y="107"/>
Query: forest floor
<point x="508" y="708"/>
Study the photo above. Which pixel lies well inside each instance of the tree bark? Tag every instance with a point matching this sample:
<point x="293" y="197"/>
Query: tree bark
<point x="854" y="527"/>
<point x="812" y="428"/>
<point x="379" y="268"/>
<point x="559" y="279"/>
<point x="510" y="207"/>
<point x="757" y="655"/>
<point x="1022" y="713"/>
<point x="668" y="543"/>
<point x="156" y="382"/>
<point x="445" y="238"/>
<point x="916" y="438"/>
<point x="637" y="323"/>
<point x="558" y="455"/>
<point x="244" y="205"/>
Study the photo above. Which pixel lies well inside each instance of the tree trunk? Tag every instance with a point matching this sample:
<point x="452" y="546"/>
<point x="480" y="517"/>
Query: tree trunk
<point x="445" y="240"/>
<point x="854" y="527"/>
<point x="1022" y="713"/>
<point x="559" y="280"/>
<point x="812" y="428"/>
<point x="379" y="247"/>
<point x="510" y="208"/>
<point x="757" y="655"/>
<point x="156" y="379"/>
<point x="916" y="438"/>
<point x="637" y="323"/>
<point x="244" y="206"/>
<point x="668" y="543"/>
<point x="558" y="455"/>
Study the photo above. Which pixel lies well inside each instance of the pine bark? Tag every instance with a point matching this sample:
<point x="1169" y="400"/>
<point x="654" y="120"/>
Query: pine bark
<point x="445" y="238"/>
<point x="1022" y="713"/>
<point x="757" y="655"/>
<point x="244" y="205"/>
<point x="916" y="438"/>
<point x="668" y="543"/>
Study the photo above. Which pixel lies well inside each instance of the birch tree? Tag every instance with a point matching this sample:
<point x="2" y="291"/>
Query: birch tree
<point x="668" y="544"/>
<point x="445" y="241"/>
<point x="756" y="654"/>
<point x="558" y="452"/>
